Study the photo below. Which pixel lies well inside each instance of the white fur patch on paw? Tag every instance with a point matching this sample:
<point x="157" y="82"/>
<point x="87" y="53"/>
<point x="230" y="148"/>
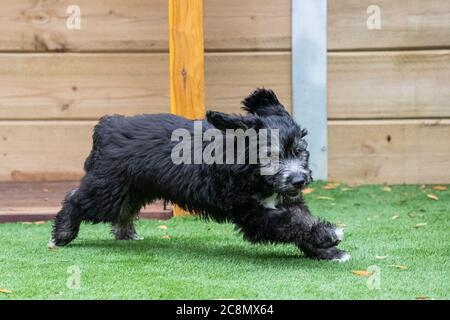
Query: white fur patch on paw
<point x="339" y="233"/>
<point x="51" y="244"/>
<point x="345" y="257"/>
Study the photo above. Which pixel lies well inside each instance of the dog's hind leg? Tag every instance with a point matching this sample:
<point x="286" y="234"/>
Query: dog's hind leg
<point x="96" y="200"/>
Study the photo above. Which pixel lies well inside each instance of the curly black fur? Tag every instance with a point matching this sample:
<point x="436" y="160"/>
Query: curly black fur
<point x="130" y="165"/>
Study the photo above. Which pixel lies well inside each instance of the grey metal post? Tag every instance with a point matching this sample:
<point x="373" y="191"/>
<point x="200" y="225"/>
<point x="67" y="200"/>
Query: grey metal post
<point x="309" y="78"/>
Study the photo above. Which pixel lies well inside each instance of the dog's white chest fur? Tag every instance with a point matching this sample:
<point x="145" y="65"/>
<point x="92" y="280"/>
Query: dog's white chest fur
<point x="270" y="202"/>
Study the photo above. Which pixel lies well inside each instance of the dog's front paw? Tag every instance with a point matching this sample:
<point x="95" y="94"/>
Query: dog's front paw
<point x="332" y="253"/>
<point x="325" y="235"/>
<point x="339" y="233"/>
<point x="342" y="256"/>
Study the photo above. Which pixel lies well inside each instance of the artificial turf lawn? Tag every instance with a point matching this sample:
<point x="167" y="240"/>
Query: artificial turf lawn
<point x="205" y="260"/>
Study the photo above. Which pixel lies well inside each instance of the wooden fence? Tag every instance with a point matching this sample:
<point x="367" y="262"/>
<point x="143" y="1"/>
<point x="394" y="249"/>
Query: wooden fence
<point x="388" y="89"/>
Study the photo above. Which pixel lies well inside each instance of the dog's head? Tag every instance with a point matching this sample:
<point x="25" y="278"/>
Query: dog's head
<point x="264" y="111"/>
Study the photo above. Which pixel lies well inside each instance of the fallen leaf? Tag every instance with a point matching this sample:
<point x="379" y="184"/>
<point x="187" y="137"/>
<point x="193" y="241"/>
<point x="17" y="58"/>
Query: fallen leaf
<point x="395" y="217"/>
<point x="398" y="266"/>
<point x="307" y="190"/>
<point x="165" y="236"/>
<point x="440" y="188"/>
<point x="387" y="189"/>
<point x="415" y="215"/>
<point x="362" y="273"/>
<point x="423" y="298"/>
<point x="3" y="290"/>
<point x="39" y="222"/>
<point x="420" y="225"/>
<point x="325" y="198"/>
<point x="380" y="257"/>
<point x="432" y="196"/>
<point x="346" y="189"/>
<point x="331" y="186"/>
<point x="162" y="227"/>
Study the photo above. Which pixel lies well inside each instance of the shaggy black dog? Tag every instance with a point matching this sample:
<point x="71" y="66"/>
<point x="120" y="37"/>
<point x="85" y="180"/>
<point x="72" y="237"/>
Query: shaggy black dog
<point x="131" y="164"/>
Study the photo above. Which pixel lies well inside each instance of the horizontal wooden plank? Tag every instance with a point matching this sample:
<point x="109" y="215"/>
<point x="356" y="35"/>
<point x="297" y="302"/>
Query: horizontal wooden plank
<point x="37" y="215"/>
<point x="139" y="25"/>
<point x="37" y="201"/>
<point x="75" y="86"/>
<point x="142" y="25"/>
<point x="229" y="77"/>
<point x="43" y="150"/>
<point x="364" y="85"/>
<point x="370" y="151"/>
<point x="87" y="86"/>
<point x="404" y="24"/>
<point x="405" y="84"/>
<point x="395" y="151"/>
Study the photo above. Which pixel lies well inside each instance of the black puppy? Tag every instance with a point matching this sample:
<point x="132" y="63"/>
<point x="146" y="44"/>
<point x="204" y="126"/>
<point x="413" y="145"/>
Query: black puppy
<point x="132" y="163"/>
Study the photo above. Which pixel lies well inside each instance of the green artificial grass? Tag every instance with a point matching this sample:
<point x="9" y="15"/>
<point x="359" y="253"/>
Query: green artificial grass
<point x="193" y="259"/>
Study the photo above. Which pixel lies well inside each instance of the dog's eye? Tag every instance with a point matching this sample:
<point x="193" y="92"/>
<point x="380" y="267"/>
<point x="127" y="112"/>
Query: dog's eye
<point x="298" y="151"/>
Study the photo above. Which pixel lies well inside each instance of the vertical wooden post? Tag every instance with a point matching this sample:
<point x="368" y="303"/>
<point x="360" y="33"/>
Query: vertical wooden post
<point x="309" y="78"/>
<point x="187" y="79"/>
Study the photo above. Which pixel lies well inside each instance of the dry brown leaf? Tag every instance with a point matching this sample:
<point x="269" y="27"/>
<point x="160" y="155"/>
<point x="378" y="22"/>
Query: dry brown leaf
<point x="325" y="198"/>
<point x="423" y="298"/>
<point x="415" y="215"/>
<point x="307" y="190"/>
<point x="420" y="225"/>
<point x="331" y="186"/>
<point x="380" y="257"/>
<point x="166" y="236"/>
<point x="432" y="196"/>
<point x="395" y="217"/>
<point x="3" y="290"/>
<point x="39" y="222"/>
<point x="362" y="273"/>
<point x="386" y="189"/>
<point x="398" y="266"/>
<point x="163" y="227"/>
<point x="440" y="188"/>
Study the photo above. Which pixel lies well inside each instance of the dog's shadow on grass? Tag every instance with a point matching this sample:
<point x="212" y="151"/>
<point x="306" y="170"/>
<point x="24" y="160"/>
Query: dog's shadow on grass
<point x="263" y="254"/>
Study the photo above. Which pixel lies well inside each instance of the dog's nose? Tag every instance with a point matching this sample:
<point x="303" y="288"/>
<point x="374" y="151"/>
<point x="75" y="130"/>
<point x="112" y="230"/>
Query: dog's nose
<point x="298" y="182"/>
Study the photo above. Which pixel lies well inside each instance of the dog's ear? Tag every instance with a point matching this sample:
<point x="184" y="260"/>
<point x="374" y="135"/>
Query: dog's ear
<point x="263" y="102"/>
<point x="303" y="133"/>
<point x="223" y="121"/>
